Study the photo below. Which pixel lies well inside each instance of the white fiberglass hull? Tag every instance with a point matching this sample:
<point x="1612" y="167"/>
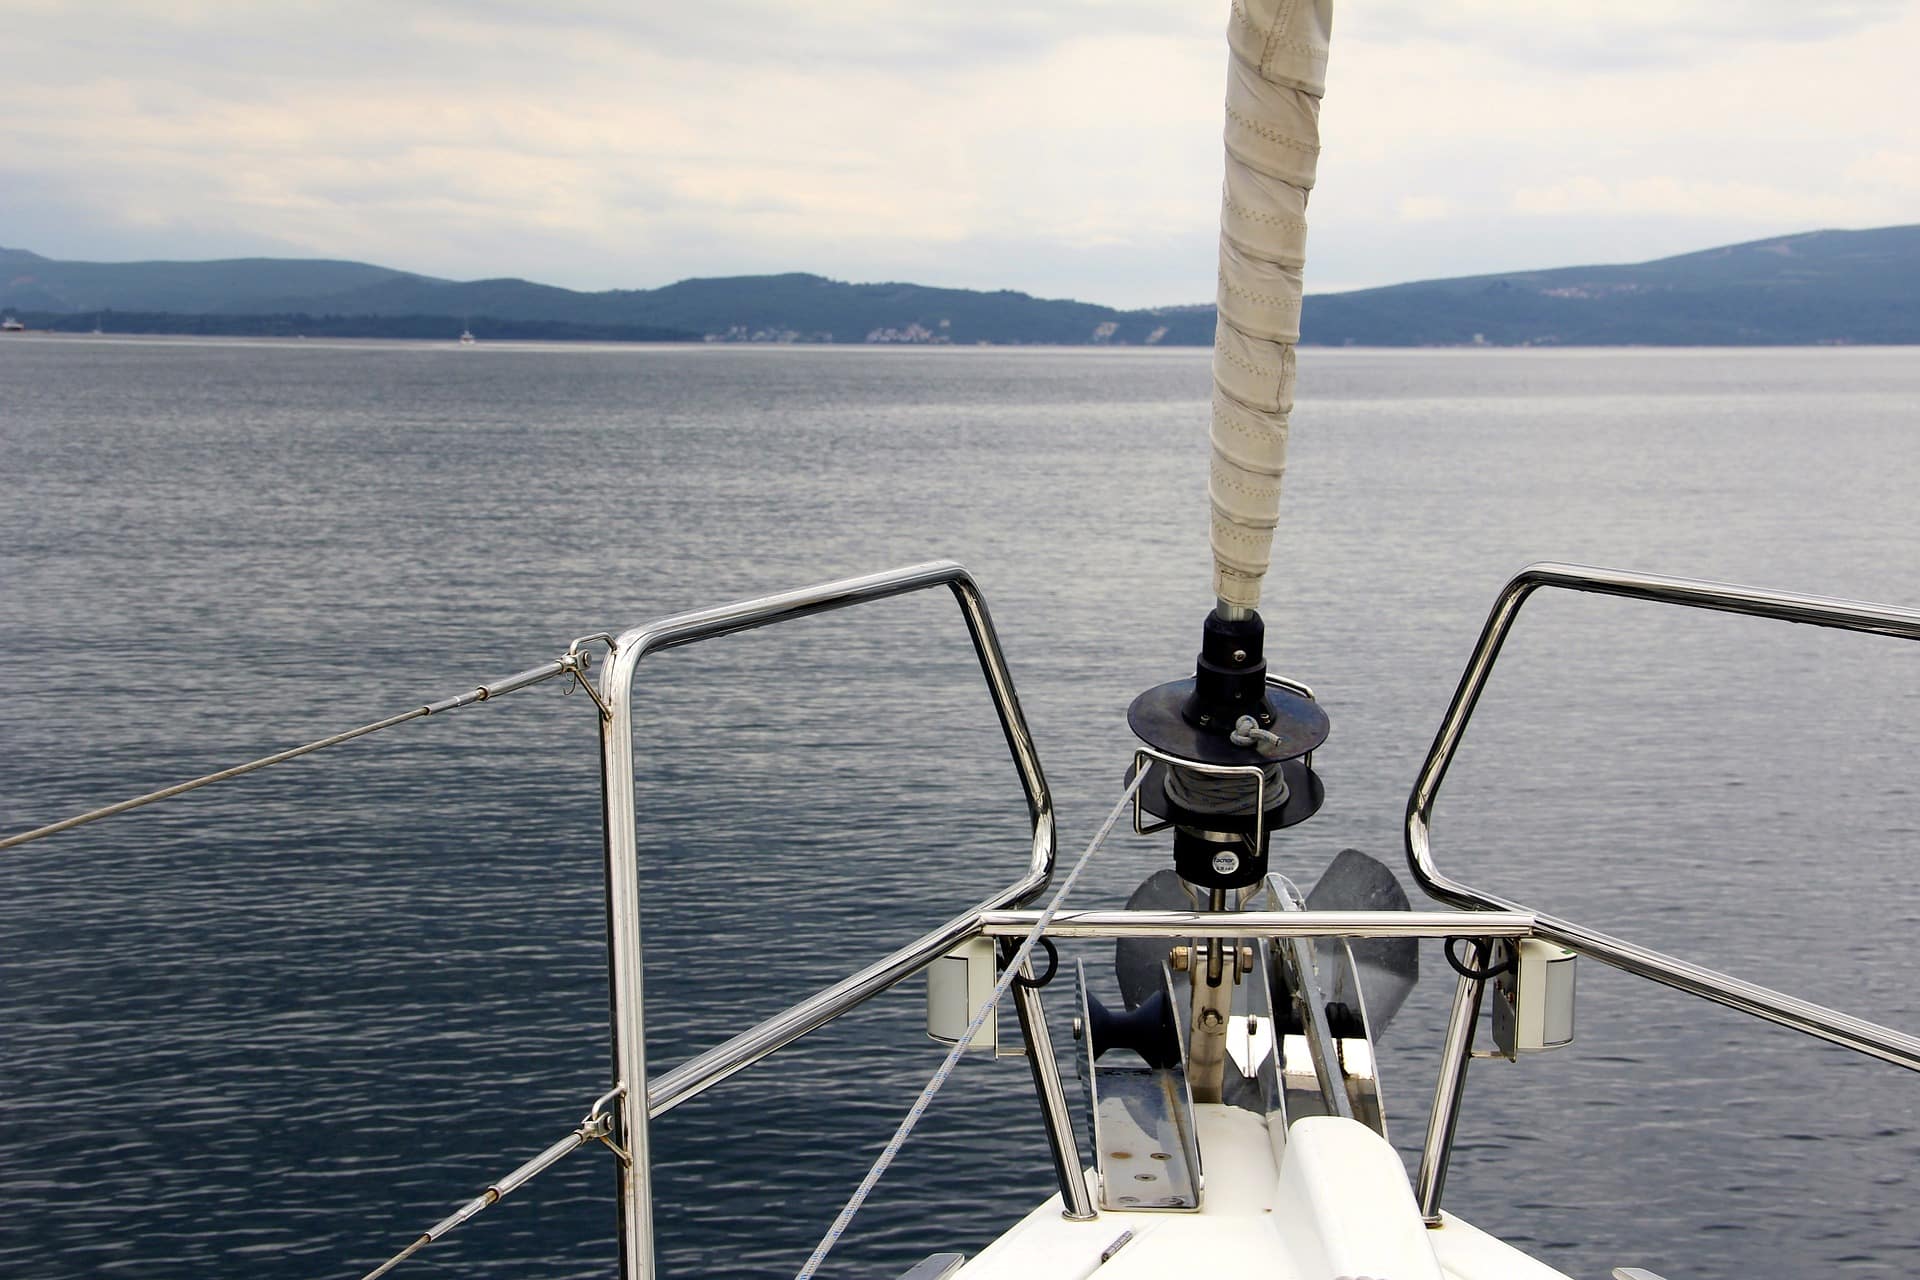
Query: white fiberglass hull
<point x="1329" y="1201"/>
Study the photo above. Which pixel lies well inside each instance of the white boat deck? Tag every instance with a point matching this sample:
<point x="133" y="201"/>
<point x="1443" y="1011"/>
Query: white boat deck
<point x="1330" y="1203"/>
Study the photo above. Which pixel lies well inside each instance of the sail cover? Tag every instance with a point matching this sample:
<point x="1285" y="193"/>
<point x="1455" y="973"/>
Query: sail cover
<point x="1275" y="78"/>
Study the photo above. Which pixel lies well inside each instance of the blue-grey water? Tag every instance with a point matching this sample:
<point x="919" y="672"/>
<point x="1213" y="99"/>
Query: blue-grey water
<point x="277" y="1028"/>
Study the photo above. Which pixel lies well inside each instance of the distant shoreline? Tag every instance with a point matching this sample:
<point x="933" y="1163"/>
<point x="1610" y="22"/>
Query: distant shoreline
<point x="1815" y="288"/>
<point x="1318" y="350"/>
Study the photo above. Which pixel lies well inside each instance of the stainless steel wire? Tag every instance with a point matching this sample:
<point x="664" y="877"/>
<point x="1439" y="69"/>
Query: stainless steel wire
<point x="572" y="663"/>
<point x="492" y="1195"/>
<point x="1013" y="967"/>
<point x="596" y="1126"/>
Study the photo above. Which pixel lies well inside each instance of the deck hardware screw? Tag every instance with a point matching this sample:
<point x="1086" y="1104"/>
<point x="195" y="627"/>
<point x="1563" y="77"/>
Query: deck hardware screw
<point x="1239" y="655"/>
<point x="1253" y="1026"/>
<point x="1246" y="959"/>
<point x="1079" y="1030"/>
<point x="1210" y="1019"/>
<point x="1181" y="958"/>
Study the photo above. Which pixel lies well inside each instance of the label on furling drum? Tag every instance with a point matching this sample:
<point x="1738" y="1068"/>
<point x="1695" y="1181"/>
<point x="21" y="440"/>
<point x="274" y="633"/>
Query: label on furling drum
<point x="1226" y="862"/>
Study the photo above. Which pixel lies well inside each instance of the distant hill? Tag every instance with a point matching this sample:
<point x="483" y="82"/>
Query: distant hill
<point x="1818" y="287"/>
<point x="29" y="282"/>
<point x="302" y="324"/>
<point x="275" y="296"/>
<point x="1821" y="286"/>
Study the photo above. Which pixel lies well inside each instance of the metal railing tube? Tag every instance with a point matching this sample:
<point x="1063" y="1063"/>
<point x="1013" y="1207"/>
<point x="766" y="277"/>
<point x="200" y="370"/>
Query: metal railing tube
<point x="1828" y="1024"/>
<point x="1448" y="1088"/>
<point x="704" y="1070"/>
<point x="626" y="972"/>
<point x="1819" y="611"/>
<point x="1076" y="1200"/>
<point x="1262" y="924"/>
<point x="622" y="850"/>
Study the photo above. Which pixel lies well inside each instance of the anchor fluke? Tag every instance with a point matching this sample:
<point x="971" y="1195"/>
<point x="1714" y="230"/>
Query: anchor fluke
<point x="1137" y="961"/>
<point x="1385" y="969"/>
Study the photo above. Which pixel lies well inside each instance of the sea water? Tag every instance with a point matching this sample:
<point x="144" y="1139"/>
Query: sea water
<point x="277" y="1028"/>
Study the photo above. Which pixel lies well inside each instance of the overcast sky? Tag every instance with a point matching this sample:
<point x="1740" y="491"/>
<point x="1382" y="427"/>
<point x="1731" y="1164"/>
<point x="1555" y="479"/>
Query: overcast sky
<point x="1065" y="149"/>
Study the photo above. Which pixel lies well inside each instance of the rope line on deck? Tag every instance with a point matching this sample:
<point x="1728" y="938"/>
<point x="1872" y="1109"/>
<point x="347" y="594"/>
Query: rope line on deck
<point x="1014" y="967"/>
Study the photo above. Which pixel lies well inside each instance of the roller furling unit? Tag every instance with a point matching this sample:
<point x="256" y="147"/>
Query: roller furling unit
<point x="1230" y="756"/>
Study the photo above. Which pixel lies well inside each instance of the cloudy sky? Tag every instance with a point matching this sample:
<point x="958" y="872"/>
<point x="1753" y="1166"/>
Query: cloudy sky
<point x="1066" y="149"/>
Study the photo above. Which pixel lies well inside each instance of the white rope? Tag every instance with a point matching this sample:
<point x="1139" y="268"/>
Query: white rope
<point x="1014" y="967"/>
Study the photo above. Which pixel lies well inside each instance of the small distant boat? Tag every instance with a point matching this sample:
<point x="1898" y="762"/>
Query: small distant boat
<point x="10" y="325"/>
<point x="466" y="338"/>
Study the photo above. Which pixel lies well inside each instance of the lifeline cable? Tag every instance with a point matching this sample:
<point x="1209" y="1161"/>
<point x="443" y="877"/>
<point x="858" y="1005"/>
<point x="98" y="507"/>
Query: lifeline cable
<point x="597" y="1124"/>
<point x="491" y="1196"/>
<point x="571" y="663"/>
<point x="987" y="1006"/>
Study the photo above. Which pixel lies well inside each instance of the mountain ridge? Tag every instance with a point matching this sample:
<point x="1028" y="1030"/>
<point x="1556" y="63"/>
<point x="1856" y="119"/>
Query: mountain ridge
<point x="1827" y="286"/>
<point x="1811" y="287"/>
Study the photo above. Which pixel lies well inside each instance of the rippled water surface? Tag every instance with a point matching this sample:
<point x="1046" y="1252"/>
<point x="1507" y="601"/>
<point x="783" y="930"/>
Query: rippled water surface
<point x="277" y="1028"/>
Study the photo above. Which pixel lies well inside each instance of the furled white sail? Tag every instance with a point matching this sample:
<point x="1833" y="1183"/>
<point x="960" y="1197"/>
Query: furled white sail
<point x="1275" y="78"/>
